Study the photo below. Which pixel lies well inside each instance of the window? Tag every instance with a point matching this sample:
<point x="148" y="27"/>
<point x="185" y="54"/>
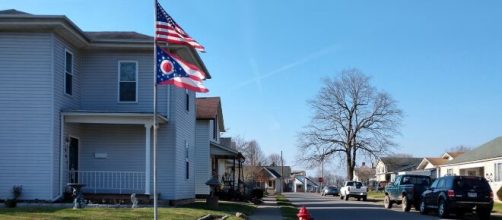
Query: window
<point x="449" y="172"/>
<point x="68" y="76"/>
<point x="187" y="100"/>
<point x="187" y="162"/>
<point x="435" y="184"/>
<point x="128" y="81"/>
<point x="215" y="128"/>
<point x="498" y="172"/>
<point x="441" y="183"/>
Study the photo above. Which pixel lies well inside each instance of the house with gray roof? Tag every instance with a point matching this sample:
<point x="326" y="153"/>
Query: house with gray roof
<point x="389" y="167"/>
<point x="484" y="161"/>
<point x="76" y="107"/>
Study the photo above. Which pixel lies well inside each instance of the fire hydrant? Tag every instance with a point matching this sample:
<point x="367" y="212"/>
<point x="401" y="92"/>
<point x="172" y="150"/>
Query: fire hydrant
<point x="303" y="214"/>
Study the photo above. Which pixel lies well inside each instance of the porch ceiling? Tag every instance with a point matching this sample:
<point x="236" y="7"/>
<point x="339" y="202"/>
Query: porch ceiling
<point x="111" y="118"/>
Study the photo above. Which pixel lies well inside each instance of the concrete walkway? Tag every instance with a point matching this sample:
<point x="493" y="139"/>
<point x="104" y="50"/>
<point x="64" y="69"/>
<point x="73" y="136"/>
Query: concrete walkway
<point x="267" y="211"/>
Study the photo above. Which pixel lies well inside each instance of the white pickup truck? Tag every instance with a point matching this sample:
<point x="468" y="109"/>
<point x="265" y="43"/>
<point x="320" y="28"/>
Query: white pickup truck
<point x="353" y="189"/>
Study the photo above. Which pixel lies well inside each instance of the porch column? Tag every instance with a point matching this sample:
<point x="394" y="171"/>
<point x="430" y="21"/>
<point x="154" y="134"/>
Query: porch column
<point x="148" y="157"/>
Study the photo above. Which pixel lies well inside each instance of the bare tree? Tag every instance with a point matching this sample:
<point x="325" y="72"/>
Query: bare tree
<point x="254" y="158"/>
<point x="459" y="148"/>
<point x="351" y="117"/>
<point x="275" y="159"/>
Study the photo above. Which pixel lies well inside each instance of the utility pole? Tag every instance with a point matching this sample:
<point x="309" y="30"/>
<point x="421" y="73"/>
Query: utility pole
<point x="282" y="174"/>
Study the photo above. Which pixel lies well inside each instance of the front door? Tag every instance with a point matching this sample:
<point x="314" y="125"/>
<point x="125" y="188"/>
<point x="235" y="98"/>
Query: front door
<point x="73" y="160"/>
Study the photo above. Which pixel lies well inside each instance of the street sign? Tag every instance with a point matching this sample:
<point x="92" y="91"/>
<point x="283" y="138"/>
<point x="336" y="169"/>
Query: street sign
<point x="321" y="179"/>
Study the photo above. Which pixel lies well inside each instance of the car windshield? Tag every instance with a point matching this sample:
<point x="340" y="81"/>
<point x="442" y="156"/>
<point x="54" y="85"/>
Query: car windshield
<point x="416" y="180"/>
<point x="467" y="183"/>
<point x="331" y="187"/>
<point x="357" y="184"/>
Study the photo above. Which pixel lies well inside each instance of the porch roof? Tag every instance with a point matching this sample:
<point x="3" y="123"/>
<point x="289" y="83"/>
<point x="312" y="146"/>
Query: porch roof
<point x="111" y="117"/>
<point x="223" y="151"/>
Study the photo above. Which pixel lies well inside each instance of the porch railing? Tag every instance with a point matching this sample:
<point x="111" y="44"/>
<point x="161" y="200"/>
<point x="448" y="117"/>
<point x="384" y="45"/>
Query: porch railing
<point x="109" y="181"/>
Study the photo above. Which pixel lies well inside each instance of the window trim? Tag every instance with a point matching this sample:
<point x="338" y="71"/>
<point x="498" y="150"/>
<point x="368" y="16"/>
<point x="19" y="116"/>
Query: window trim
<point x="187" y="161"/>
<point x="118" y="81"/>
<point x="215" y="129"/>
<point x="66" y="51"/>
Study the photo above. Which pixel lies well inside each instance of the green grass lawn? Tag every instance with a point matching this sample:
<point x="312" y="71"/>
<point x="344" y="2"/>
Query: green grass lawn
<point x="376" y="195"/>
<point x="192" y="211"/>
<point x="497" y="207"/>
<point x="288" y="210"/>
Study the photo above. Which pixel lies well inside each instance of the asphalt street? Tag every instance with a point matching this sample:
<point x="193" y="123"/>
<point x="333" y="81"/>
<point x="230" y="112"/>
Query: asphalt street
<point x="332" y="208"/>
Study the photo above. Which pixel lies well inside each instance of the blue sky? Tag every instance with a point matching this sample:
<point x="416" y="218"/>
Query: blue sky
<point x="442" y="60"/>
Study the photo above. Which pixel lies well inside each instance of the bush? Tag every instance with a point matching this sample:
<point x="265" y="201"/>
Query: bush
<point x="16" y="193"/>
<point x="499" y="193"/>
<point x="257" y="193"/>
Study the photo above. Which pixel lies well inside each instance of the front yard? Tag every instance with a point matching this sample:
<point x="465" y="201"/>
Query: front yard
<point x="192" y="211"/>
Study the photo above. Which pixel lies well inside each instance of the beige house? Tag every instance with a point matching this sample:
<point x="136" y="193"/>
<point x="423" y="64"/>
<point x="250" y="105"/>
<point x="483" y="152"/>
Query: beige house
<point x="388" y="168"/>
<point x="430" y="165"/>
<point x="484" y="161"/>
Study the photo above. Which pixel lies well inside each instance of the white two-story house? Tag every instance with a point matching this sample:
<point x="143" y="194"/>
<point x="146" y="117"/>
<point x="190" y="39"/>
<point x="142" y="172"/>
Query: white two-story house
<point x="77" y="107"/>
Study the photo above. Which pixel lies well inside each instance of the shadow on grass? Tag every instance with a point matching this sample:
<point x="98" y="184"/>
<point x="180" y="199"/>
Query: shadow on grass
<point x="288" y="210"/>
<point x="227" y="207"/>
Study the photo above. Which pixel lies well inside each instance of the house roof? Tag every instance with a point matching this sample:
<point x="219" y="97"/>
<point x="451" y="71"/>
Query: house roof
<point x="13" y="12"/>
<point x="272" y="172"/>
<point x="454" y="154"/>
<point x="309" y="181"/>
<point x="117" y="35"/>
<point x="491" y="149"/>
<point x="210" y="108"/>
<point x="397" y="164"/>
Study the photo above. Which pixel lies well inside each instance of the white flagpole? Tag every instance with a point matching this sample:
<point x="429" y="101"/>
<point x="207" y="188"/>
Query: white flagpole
<point x="155" y="211"/>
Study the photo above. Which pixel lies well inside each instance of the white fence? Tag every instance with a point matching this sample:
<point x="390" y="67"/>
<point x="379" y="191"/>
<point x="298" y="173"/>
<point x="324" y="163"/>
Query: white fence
<point x="109" y="181"/>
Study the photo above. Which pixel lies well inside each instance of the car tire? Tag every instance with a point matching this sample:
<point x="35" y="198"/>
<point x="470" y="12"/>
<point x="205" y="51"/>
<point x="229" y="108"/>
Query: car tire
<point x="387" y="203"/>
<point x="423" y="208"/>
<point x="341" y="197"/>
<point x="346" y="197"/>
<point x="405" y="204"/>
<point x="483" y="214"/>
<point x="442" y="209"/>
<point x="365" y="198"/>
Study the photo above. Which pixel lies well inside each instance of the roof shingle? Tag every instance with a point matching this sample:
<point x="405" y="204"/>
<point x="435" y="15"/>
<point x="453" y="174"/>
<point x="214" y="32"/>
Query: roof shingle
<point x="491" y="149"/>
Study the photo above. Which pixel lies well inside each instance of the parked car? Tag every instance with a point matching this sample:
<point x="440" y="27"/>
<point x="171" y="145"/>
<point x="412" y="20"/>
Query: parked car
<point x="458" y="194"/>
<point x="330" y="190"/>
<point x="353" y="189"/>
<point x="406" y="190"/>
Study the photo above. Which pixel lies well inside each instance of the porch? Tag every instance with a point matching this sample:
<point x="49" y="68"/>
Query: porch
<point x="227" y="164"/>
<point x="111" y="153"/>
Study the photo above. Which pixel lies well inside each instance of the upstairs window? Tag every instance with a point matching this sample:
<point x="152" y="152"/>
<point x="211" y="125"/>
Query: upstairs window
<point x="215" y="128"/>
<point x="68" y="76"/>
<point x="128" y="81"/>
<point x="187" y="161"/>
<point x="187" y="100"/>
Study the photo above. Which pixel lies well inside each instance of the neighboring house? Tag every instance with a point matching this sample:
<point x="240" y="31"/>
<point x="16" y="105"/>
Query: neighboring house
<point x="214" y="155"/>
<point x="268" y="177"/>
<point x="76" y="107"/>
<point x="365" y="174"/>
<point x="298" y="184"/>
<point x="388" y="167"/>
<point x="484" y="161"/>
<point x="430" y="165"/>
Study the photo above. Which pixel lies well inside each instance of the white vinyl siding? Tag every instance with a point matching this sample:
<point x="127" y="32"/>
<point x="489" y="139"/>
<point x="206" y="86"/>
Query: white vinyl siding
<point x="128" y="81"/>
<point x="25" y="114"/>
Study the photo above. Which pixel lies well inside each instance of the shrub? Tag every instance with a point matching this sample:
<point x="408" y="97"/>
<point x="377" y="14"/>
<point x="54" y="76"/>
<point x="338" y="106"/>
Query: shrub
<point x="257" y="193"/>
<point x="499" y="193"/>
<point x="16" y="193"/>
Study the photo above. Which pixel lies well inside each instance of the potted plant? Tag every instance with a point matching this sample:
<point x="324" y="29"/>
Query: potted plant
<point x="16" y="193"/>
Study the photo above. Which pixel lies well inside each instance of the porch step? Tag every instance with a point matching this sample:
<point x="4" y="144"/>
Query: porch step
<point x="117" y="198"/>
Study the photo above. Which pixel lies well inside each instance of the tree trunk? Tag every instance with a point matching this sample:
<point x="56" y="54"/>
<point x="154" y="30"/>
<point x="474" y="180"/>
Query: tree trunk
<point x="350" y="167"/>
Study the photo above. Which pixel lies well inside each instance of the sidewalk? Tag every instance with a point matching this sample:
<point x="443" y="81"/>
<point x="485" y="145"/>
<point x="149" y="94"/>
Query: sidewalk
<point x="267" y="211"/>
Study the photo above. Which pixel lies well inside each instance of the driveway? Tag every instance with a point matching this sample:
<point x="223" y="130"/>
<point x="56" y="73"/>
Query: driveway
<point x="330" y="207"/>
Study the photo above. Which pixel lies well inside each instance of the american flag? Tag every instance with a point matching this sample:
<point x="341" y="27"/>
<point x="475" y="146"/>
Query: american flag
<point x="168" y="30"/>
<point x="173" y="70"/>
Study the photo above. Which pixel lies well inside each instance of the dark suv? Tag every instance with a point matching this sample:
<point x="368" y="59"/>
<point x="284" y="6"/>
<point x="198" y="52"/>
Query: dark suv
<point x="458" y="194"/>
